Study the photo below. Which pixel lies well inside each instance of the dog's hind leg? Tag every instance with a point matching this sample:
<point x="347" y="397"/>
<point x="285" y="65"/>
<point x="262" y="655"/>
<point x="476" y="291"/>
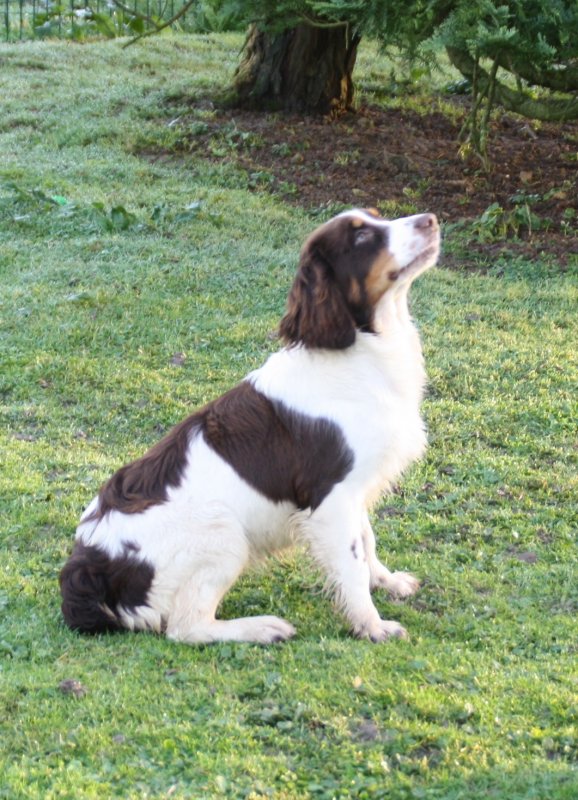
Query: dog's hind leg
<point x="398" y="584"/>
<point x="259" y="630"/>
<point x="220" y="559"/>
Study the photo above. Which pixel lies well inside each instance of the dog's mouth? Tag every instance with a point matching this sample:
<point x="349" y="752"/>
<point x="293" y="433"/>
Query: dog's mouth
<point x="424" y="260"/>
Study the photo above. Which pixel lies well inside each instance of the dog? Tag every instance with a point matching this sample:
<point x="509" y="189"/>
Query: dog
<point x="296" y="453"/>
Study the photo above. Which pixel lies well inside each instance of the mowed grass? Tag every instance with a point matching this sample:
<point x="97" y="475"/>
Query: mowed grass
<point x="134" y="289"/>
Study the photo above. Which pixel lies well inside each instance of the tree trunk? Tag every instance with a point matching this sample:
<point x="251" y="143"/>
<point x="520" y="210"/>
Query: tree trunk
<point x="303" y="69"/>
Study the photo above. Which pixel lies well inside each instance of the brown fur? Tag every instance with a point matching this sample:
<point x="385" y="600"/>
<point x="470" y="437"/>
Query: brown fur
<point x="144" y="482"/>
<point x="342" y="273"/>
<point x="93" y="585"/>
<point x="282" y="454"/>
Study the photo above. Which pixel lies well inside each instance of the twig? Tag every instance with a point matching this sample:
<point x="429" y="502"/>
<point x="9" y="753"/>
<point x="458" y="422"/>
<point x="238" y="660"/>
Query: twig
<point x="156" y="27"/>
<point x="132" y="12"/>
<point x="319" y="24"/>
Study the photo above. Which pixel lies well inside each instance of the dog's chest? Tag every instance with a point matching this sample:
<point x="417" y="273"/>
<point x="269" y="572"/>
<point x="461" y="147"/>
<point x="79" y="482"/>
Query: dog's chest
<point x="386" y="434"/>
<point x="373" y="394"/>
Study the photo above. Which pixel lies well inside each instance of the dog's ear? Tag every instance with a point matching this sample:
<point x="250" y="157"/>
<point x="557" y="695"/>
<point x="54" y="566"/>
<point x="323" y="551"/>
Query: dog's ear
<point x="317" y="312"/>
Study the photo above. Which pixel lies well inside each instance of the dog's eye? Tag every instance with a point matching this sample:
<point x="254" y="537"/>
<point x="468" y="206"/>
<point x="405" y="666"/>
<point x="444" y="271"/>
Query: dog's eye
<point x="363" y="235"/>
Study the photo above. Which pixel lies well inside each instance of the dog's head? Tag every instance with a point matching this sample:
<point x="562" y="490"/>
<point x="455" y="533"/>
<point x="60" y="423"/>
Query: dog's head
<point x="347" y="266"/>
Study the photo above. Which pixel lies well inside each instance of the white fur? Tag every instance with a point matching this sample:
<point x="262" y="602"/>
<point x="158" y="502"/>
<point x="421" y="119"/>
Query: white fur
<point x="214" y="524"/>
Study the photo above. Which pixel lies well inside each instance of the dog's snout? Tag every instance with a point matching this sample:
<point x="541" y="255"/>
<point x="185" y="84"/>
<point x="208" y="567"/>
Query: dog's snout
<point x="426" y="222"/>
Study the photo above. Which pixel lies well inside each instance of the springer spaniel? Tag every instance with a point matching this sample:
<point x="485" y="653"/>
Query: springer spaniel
<point x="297" y="452"/>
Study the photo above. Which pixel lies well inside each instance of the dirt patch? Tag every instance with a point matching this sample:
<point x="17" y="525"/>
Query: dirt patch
<point x="403" y="161"/>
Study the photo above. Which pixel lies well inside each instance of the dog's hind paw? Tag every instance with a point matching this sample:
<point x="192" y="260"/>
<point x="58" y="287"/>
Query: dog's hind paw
<point x="259" y="630"/>
<point x="268" y="630"/>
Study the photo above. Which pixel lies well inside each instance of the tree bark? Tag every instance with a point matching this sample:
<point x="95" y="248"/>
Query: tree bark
<point x="303" y="69"/>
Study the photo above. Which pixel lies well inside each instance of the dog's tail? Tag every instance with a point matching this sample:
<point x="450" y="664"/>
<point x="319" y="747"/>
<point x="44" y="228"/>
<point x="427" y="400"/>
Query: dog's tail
<point x="85" y="590"/>
<point x="96" y="588"/>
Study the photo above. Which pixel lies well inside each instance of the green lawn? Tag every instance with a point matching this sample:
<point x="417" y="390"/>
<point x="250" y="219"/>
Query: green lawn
<point x="134" y="289"/>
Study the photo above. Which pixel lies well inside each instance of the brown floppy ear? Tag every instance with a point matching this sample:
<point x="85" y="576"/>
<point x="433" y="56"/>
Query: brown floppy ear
<point x="317" y="312"/>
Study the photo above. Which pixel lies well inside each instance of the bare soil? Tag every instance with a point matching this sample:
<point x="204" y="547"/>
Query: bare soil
<point x="381" y="157"/>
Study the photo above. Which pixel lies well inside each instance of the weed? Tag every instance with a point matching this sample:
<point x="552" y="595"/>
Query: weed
<point x="498" y="223"/>
<point x="345" y="158"/>
<point x="283" y="149"/>
<point x="569" y="222"/>
<point x="392" y="209"/>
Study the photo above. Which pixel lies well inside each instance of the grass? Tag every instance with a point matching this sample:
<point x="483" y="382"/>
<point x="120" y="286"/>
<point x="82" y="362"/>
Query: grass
<point x="133" y="290"/>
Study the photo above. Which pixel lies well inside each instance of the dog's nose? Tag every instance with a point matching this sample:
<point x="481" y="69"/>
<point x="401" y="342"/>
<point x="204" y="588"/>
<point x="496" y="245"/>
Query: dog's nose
<point x="426" y="222"/>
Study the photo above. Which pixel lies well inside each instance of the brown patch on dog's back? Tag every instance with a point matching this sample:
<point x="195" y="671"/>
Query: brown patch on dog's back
<point x="279" y="452"/>
<point x="284" y="455"/>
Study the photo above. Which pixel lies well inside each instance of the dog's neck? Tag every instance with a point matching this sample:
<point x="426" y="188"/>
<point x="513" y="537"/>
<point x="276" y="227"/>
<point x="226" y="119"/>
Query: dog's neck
<point x="392" y="313"/>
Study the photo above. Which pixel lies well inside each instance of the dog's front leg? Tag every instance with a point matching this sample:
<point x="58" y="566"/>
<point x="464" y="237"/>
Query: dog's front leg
<point x="398" y="584"/>
<point x="334" y="532"/>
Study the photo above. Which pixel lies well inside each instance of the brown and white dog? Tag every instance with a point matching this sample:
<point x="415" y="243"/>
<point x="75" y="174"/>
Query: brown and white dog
<point x="297" y="452"/>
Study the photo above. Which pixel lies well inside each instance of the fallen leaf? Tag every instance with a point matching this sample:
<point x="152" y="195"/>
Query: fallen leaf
<point x="72" y="686"/>
<point x="366" y="731"/>
<point x="178" y="359"/>
<point x="528" y="557"/>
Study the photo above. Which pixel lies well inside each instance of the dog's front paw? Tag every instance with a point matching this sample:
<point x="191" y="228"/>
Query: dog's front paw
<point x="398" y="584"/>
<point x="382" y="630"/>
